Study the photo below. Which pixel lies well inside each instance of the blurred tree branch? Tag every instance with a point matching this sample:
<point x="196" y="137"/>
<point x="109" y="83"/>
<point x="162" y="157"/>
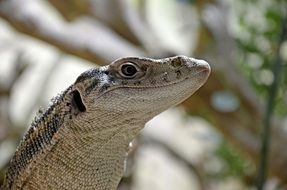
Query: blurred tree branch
<point x="98" y="45"/>
<point x="7" y="130"/>
<point x="273" y="90"/>
<point x="99" y="10"/>
<point x="72" y="10"/>
<point x="19" y="67"/>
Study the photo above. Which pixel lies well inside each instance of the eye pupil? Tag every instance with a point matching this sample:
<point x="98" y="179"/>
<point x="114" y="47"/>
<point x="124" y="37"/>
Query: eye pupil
<point x="129" y="70"/>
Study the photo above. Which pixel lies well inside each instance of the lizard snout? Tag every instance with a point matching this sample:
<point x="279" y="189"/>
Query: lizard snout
<point x="202" y="66"/>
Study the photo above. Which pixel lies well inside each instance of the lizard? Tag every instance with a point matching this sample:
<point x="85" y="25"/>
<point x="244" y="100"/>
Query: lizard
<point x="81" y="140"/>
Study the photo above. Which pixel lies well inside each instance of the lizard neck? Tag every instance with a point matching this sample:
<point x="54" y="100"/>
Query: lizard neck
<point x="84" y="154"/>
<point x="38" y="138"/>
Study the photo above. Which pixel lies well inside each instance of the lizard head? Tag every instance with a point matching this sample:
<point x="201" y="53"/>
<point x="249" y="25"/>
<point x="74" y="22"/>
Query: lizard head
<point x="139" y="87"/>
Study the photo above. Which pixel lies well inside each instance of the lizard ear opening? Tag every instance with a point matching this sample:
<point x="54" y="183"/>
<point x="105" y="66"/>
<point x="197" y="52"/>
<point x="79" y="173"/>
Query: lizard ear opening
<point x="77" y="101"/>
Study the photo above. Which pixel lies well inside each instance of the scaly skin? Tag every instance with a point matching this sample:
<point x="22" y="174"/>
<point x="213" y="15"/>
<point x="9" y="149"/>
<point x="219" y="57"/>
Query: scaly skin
<point x="81" y="141"/>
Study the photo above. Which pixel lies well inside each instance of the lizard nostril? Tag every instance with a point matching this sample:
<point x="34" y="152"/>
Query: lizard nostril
<point x="176" y="63"/>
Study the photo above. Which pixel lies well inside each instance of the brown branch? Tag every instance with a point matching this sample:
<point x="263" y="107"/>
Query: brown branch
<point x="128" y="22"/>
<point x="72" y="9"/>
<point x="125" y="20"/>
<point x="99" y="10"/>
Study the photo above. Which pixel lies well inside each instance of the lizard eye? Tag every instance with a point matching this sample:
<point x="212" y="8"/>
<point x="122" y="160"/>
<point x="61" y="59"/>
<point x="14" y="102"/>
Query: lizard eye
<point x="128" y="70"/>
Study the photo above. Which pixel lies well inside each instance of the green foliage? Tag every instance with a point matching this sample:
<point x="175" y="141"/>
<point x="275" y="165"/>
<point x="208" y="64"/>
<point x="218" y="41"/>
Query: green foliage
<point x="257" y="51"/>
<point x="234" y="162"/>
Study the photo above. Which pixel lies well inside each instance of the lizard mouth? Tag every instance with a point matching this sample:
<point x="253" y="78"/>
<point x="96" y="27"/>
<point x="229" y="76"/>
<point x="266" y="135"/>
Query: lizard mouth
<point x="184" y="79"/>
<point x="169" y="83"/>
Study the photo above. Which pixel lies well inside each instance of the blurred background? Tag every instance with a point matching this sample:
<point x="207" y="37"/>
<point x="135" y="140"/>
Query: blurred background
<point x="212" y="140"/>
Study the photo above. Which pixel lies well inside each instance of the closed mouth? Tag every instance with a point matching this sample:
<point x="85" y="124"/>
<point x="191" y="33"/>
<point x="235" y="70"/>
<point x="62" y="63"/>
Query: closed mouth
<point x="159" y="86"/>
